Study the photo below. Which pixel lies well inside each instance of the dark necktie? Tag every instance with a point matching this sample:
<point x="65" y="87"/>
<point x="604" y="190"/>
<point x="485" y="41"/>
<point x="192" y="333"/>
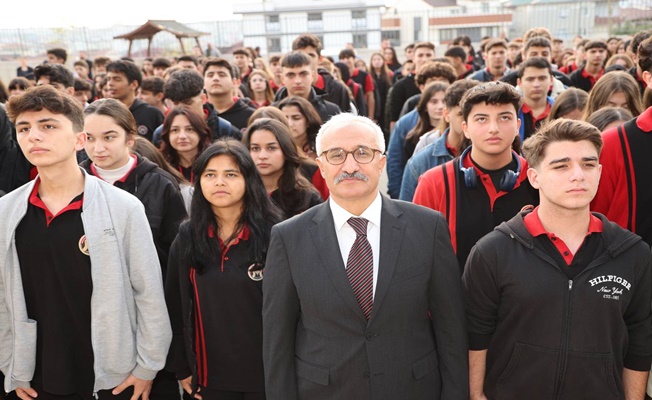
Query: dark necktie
<point x="360" y="266"/>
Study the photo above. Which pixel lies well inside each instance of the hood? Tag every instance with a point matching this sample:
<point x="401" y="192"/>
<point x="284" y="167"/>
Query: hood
<point x="238" y="106"/>
<point x="315" y="94"/>
<point x="616" y="239"/>
<point x="143" y="167"/>
<point x="137" y="104"/>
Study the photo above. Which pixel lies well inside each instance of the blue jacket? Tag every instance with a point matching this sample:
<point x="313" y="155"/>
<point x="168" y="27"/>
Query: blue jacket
<point x="429" y="157"/>
<point x="395" y="161"/>
<point x="521" y="116"/>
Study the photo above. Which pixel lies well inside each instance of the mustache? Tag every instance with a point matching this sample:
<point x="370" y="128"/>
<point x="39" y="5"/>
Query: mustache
<point x="356" y="175"/>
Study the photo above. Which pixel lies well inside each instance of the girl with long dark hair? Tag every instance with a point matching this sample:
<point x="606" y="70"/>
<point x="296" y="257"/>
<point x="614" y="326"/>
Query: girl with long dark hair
<point x="278" y="163"/>
<point x="214" y="283"/>
<point x="185" y="135"/>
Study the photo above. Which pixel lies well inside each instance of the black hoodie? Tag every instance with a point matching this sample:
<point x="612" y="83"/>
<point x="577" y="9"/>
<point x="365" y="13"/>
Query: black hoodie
<point x="324" y="108"/>
<point x="238" y="115"/>
<point x="147" y="118"/>
<point x="549" y="337"/>
<point x="159" y="193"/>
<point x="14" y="167"/>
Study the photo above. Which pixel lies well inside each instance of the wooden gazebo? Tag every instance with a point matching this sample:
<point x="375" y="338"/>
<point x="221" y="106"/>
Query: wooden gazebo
<point x="152" y="27"/>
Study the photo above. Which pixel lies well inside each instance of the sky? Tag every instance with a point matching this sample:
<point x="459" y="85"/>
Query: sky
<point x="78" y="13"/>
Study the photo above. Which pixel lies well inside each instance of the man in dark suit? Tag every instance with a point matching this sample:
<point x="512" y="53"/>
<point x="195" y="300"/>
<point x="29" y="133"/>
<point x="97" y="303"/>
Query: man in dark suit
<point x="362" y="295"/>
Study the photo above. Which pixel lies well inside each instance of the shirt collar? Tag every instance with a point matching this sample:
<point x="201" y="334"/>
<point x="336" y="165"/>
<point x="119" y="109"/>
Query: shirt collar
<point x="372" y="213"/>
<point x="535" y="227"/>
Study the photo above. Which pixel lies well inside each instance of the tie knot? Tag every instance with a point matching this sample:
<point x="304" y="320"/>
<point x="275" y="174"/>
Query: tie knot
<point x="359" y="225"/>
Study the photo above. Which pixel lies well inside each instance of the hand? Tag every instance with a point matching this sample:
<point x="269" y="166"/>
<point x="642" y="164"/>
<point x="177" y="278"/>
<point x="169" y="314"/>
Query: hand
<point x="481" y="396"/>
<point x="141" y="387"/>
<point x="186" y="384"/>
<point x="26" y="393"/>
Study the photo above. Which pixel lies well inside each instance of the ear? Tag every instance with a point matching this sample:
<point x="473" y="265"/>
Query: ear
<point x="80" y="140"/>
<point x="134" y="85"/>
<point x="518" y="125"/>
<point x="204" y="98"/>
<point x="321" y="167"/>
<point x="237" y="82"/>
<point x="647" y="78"/>
<point x="447" y="117"/>
<point x="533" y="177"/>
<point x="465" y="127"/>
<point x="518" y="81"/>
<point x="160" y="96"/>
<point x="71" y="90"/>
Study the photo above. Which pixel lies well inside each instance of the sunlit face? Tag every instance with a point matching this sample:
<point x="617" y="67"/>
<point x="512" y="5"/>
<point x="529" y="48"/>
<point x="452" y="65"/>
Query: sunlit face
<point x="183" y="136"/>
<point x="492" y="128"/>
<point x="595" y="56"/>
<point x="377" y="61"/>
<point x="187" y="65"/>
<point x="435" y="108"/>
<point x="47" y="139"/>
<point x="535" y="83"/>
<point x="298" y="80"/>
<point x="52" y="59"/>
<point x="258" y="64"/>
<point x="107" y="145"/>
<point x="223" y="185"/>
<point x="118" y="86"/>
<point x="266" y="153"/>
<point x="149" y="97"/>
<point x="496" y="58"/>
<point x="351" y="180"/>
<point x="242" y="62"/>
<point x="618" y="99"/>
<point x="536" y="51"/>
<point x="389" y="55"/>
<point x="218" y="81"/>
<point x="81" y="71"/>
<point x="298" y="124"/>
<point x="421" y="56"/>
<point x="258" y="83"/>
<point x="568" y="176"/>
<point x="454" y="117"/>
<point x="312" y="53"/>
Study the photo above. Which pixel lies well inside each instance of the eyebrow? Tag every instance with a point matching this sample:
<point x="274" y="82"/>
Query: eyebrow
<point x="567" y="159"/>
<point x="105" y="132"/>
<point x="40" y="121"/>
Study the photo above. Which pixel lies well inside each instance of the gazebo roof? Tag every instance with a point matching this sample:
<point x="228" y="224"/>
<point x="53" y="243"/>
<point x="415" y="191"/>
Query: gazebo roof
<point x="152" y="27"/>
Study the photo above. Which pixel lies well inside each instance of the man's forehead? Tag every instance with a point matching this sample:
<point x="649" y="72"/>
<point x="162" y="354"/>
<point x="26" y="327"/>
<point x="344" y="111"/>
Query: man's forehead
<point x="297" y="69"/>
<point x="349" y="136"/>
<point x="531" y="71"/>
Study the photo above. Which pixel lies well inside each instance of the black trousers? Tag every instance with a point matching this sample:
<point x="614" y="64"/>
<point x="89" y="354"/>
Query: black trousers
<point x="208" y="394"/>
<point x="102" y="394"/>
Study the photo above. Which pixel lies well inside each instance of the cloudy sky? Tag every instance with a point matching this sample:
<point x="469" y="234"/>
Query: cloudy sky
<point x="64" y="13"/>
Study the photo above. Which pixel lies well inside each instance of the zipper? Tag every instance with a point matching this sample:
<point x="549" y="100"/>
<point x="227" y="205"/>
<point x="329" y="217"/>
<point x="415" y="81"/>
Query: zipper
<point x="561" y="367"/>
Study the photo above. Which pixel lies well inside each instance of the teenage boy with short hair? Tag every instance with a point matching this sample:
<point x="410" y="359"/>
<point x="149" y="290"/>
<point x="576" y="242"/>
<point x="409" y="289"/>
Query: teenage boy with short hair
<point x="99" y="65"/>
<point x="335" y="91"/>
<point x="361" y="78"/>
<point x="151" y="92"/>
<point x="220" y="81"/>
<point x="124" y="79"/>
<point x="457" y="57"/>
<point x="558" y="298"/>
<point x="495" y="56"/>
<point x="82" y="309"/>
<point x="298" y="75"/>
<point x="579" y="56"/>
<point x="57" y="56"/>
<point x="242" y="59"/>
<point x="275" y="81"/>
<point x="595" y="55"/>
<point x="534" y="80"/>
<point x="625" y="193"/>
<point x="188" y="62"/>
<point x="488" y="183"/>
<point x="540" y="46"/>
<point x="55" y="75"/>
<point x="445" y="147"/>
<point x="160" y="65"/>
<point x="186" y="87"/>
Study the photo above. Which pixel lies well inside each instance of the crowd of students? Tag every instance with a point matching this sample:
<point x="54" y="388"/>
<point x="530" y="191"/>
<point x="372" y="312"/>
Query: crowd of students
<point x="218" y="152"/>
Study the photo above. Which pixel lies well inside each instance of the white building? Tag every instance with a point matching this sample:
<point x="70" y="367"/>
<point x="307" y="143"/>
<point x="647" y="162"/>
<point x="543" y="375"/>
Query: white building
<point x="274" y="24"/>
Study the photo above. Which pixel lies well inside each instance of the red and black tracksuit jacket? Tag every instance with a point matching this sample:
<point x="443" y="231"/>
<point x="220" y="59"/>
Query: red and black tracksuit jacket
<point x="472" y="213"/>
<point x="625" y="191"/>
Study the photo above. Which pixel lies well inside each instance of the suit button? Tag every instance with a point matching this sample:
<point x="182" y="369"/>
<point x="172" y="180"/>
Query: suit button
<point x="371" y="336"/>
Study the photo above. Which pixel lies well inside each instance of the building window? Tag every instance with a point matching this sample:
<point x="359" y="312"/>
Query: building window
<point x="315" y="21"/>
<point x="394" y="37"/>
<point x="274" y="44"/>
<point x="273" y="23"/>
<point x="474" y="33"/>
<point x="485" y="8"/>
<point x="359" y="18"/>
<point x="360" y="40"/>
<point x="273" y="19"/>
<point x="447" y="34"/>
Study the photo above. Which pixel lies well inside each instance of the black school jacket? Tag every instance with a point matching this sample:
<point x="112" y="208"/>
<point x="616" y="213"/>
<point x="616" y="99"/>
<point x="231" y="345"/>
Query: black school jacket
<point x="549" y="337"/>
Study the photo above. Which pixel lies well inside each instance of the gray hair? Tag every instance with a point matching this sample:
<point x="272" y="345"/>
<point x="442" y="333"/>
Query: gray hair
<point x="343" y="120"/>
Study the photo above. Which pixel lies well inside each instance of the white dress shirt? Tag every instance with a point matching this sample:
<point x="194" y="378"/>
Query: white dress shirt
<point x="346" y="234"/>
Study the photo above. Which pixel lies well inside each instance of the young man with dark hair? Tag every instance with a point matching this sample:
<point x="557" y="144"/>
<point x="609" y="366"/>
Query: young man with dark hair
<point x="335" y="91"/>
<point x="495" y="56"/>
<point x="276" y="81"/>
<point x="625" y="194"/>
<point x="243" y="59"/>
<point x="57" y="56"/>
<point x="534" y="80"/>
<point x="188" y="62"/>
<point x="99" y="65"/>
<point x="539" y="46"/>
<point x="186" y="87"/>
<point x="160" y="65"/>
<point x="487" y="184"/>
<point x="446" y="147"/>
<point x="579" y="57"/>
<point x="558" y="298"/>
<point x="361" y="78"/>
<point x="82" y="70"/>
<point x="298" y="75"/>
<point x="220" y="82"/>
<point x="635" y="71"/>
<point x="124" y="78"/>
<point x="82" y="311"/>
<point x="457" y="57"/>
<point x="595" y="55"/>
<point x="83" y="91"/>
<point x="152" y="93"/>
<point x="406" y="87"/>
<point x="431" y="71"/>
<point x="399" y="74"/>
<point x="55" y="75"/>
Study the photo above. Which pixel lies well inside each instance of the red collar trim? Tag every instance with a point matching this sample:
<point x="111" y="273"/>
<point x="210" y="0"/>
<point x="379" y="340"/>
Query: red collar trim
<point x="592" y="78"/>
<point x="644" y="121"/>
<point x="243" y="235"/>
<point x="124" y="178"/>
<point x="527" y="110"/>
<point x="355" y="72"/>
<point x="320" y="84"/>
<point x="452" y="150"/>
<point x="35" y="200"/>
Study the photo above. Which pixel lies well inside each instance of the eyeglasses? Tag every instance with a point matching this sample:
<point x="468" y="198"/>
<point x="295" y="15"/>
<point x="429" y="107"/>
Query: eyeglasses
<point x="362" y="155"/>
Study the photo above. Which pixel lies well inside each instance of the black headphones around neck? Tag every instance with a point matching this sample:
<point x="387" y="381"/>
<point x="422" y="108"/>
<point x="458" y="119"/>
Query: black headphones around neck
<point x="507" y="181"/>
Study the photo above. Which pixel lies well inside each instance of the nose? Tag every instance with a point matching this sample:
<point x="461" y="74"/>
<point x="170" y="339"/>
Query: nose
<point x="577" y="173"/>
<point x="350" y="164"/>
<point x="493" y="125"/>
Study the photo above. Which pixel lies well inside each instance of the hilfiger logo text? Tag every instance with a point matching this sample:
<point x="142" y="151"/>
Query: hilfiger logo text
<point x="607" y="286"/>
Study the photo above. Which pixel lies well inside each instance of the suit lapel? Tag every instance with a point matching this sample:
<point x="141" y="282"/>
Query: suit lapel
<point x="325" y="240"/>
<point x="391" y="237"/>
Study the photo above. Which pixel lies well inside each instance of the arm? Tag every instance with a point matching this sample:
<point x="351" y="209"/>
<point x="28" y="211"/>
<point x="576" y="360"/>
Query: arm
<point x="634" y="383"/>
<point x="281" y="310"/>
<point x="153" y="332"/>
<point x="477" y="367"/>
<point x="395" y="161"/>
<point x="446" y="305"/>
<point x="409" y="182"/>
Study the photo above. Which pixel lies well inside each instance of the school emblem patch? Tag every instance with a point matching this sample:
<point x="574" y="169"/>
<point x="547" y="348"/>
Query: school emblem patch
<point x="83" y="245"/>
<point x="142" y="130"/>
<point x="255" y="272"/>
